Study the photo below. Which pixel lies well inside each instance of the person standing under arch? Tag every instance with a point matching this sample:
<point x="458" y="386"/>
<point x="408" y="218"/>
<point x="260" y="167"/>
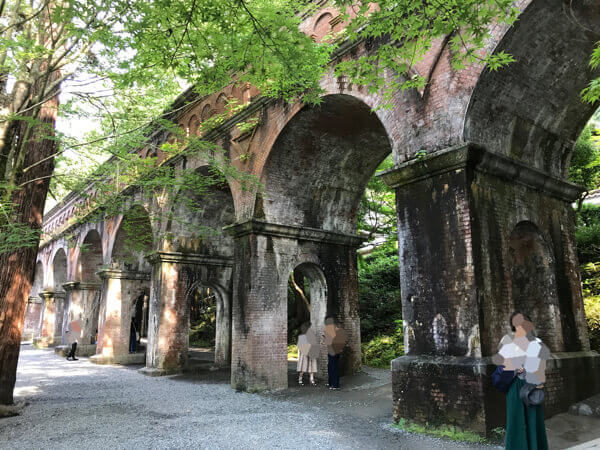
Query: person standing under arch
<point x="307" y="359"/>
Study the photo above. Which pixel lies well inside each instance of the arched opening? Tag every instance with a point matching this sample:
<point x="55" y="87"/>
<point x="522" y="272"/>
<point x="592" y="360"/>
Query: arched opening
<point x="209" y="318"/>
<point x="306" y="304"/>
<point x="533" y="283"/>
<point x="133" y="241"/>
<point x="38" y="280"/>
<point x="199" y="215"/>
<point x="59" y="266"/>
<point x="90" y="258"/>
<point x="320" y="165"/>
<point x="314" y="179"/>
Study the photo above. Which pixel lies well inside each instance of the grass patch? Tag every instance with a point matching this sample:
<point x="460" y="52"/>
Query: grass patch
<point x="292" y="351"/>
<point x="444" y="431"/>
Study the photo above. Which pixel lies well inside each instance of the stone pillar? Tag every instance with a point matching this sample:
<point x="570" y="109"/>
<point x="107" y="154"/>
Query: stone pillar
<point x="265" y="255"/>
<point x="456" y="211"/>
<point x="52" y="324"/>
<point x="173" y="275"/>
<point x="83" y="302"/>
<point x="120" y="288"/>
<point x="33" y="318"/>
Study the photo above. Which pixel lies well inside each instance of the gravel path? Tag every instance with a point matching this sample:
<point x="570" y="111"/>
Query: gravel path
<point x="81" y="405"/>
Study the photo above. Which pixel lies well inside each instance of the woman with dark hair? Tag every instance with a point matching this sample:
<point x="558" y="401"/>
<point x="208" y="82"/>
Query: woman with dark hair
<point x="526" y="356"/>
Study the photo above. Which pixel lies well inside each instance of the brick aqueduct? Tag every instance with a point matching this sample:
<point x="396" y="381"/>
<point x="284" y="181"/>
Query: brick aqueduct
<point x="485" y="227"/>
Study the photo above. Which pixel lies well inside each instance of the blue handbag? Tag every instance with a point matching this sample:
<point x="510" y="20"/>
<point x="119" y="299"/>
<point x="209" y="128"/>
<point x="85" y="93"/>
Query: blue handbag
<point x="502" y="379"/>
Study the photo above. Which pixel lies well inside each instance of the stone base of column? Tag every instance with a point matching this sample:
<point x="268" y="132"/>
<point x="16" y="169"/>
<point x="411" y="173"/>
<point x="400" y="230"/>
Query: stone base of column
<point x="82" y="350"/>
<point x="46" y="342"/>
<point x="154" y="372"/>
<point x="458" y="391"/>
<point x="123" y="360"/>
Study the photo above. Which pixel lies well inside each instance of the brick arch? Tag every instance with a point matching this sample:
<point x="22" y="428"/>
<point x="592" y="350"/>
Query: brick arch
<point x="221" y="103"/>
<point x="207" y="112"/>
<point x="193" y="125"/>
<point x="320" y="163"/>
<point x="90" y="257"/>
<point x="208" y="212"/>
<point x="134" y="238"/>
<point x="319" y="303"/>
<point x="532" y="109"/>
<point x="39" y="282"/>
<point x="59" y="268"/>
<point x="322" y="25"/>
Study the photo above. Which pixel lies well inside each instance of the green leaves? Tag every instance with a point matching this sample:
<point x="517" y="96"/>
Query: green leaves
<point x="409" y="28"/>
<point x="591" y="93"/>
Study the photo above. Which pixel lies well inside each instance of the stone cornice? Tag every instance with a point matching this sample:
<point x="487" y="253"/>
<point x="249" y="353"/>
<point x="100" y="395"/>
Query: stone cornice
<point x="52" y="294"/>
<point x="123" y="274"/>
<point x="81" y="286"/>
<point x="260" y="227"/>
<point x="481" y="160"/>
<point x="190" y="258"/>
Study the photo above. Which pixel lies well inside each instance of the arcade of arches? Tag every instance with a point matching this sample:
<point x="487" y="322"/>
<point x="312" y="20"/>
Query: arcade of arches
<point x="485" y="225"/>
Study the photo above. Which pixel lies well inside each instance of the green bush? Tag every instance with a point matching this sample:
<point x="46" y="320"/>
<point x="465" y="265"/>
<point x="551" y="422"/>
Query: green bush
<point x="590" y="277"/>
<point x="587" y="238"/>
<point x="592" y="313"/>
<point x="380" y="350"/>
<point x="379" y="292"/>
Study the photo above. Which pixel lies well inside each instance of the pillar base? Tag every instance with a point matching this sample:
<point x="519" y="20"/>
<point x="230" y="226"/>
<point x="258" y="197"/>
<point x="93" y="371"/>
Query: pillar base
<point x="123" y="360"/>
<point x="154" y="372"/>
<point x="458" y="391"/>
<point x="82" y="350"/>
<point x="46" y="342"/>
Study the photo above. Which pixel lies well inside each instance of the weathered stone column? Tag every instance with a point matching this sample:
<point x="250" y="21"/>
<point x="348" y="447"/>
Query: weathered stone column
<point x="83" y="301"/>
<point x="174" y="274"/>
<point x="120" y="288"/>
<point x="33" y="318"/>
<point x="51" y="333"/>
<point x="265" y="255"/>
<point x="458" y="210"/>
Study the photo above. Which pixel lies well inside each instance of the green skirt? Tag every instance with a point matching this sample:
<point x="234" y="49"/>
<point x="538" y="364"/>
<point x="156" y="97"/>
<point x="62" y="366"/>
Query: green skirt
<point x="525" y="428"/>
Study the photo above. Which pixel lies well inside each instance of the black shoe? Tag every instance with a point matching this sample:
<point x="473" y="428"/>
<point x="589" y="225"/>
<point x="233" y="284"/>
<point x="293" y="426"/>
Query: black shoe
<point x="75" y="359"/>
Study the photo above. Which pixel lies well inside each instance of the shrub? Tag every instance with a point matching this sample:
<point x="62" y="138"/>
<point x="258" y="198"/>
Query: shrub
<point x="380" y="350"/>
<point x="379" y="292"/>
<point x="590" y="276"/>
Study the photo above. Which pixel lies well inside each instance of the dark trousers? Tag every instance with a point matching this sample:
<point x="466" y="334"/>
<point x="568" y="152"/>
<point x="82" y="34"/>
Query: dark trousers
<point x="333" y="370"/>
<point x="73" y="349"/>
<point x="132" y="341"/>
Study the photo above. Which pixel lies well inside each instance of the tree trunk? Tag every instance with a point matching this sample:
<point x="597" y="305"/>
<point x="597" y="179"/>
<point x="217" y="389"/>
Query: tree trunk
<point x="17" y="268"/>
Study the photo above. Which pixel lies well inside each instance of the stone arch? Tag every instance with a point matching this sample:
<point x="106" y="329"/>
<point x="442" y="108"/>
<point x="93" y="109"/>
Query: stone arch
<point x="318" y="296"/>
<point x="59" y="269"/>
<point x="207" y="112"/>
<point x="320" y="163"/>
<point x="90" y="258"/>
<point x="38" y="280"/>
<point x="533" y="282"/>
<point x="531" y="110"/>
<point x="133" y="240"/>
<point x="322" y="26"/>
<point x="198" y="216"/>
<point x="221" y="103"/>
<point x="193" y="125"/>
<point x="222" y="298"/>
